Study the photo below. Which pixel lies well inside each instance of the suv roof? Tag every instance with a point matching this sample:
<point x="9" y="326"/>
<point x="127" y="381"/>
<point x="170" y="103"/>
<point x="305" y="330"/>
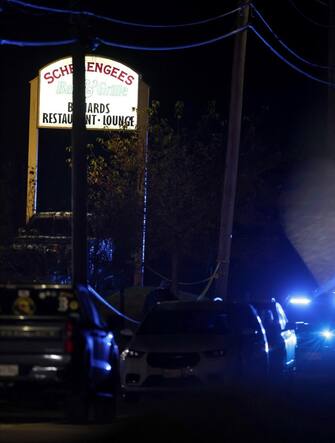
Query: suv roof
<point x="195" y="305"/>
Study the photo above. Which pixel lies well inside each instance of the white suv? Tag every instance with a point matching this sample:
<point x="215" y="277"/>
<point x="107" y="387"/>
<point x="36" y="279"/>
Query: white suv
<point x="193" y="345"/>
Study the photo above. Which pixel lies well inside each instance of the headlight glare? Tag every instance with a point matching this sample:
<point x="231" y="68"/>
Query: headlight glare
<point x="300" y="301"/>
<point x="327" y="334"/>
<point x="131" y="353"/>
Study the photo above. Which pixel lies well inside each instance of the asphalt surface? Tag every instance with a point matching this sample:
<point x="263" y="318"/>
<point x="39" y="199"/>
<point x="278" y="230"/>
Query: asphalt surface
<point x="303" y="411"/>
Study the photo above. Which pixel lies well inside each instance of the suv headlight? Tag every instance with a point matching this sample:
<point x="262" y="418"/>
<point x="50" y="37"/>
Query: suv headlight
<point x="131" y="353"/>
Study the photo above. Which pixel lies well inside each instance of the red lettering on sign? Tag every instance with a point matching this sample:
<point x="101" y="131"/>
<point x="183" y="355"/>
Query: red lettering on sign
<point x="55" y="73"/>
<point x="98" y="67"/>
<point x="64" y="70"/>
<point x="114" y="72"/>
<point x="107" y="69"/>
<point x="90" y="67"/>
<point x="129" y="80"/>
<point x="122" y="76"/>
<point x="48" y="77"/>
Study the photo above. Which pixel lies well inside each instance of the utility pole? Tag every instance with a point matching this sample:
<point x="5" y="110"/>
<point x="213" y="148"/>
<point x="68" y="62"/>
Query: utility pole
<point x="232" y="153"/>
<point x="79" y="167"/>
<point x="330" y="143"/>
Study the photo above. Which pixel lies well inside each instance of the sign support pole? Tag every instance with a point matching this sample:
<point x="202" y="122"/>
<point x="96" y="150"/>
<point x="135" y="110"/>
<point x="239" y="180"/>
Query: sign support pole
<point x="142" y="124"/>
<point x="32" y="152"/>
<point x="79" y="170"/>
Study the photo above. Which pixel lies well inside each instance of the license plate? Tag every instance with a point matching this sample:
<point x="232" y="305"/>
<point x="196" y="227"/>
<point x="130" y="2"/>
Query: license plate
<point x="172" y="373"/>
<point x="9" y="370"/>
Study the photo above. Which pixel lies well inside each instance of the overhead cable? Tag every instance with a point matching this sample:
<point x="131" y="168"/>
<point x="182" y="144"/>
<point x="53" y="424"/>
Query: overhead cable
<point x="111" y="307"/>
<point x="213" y="276"/>
<point x="117" y="21"/>
<point x="23" y="43"/>
<point x="299" y="57"/>
<point x="179" y="282"/>
<point x="292" y="65"/>
<point x="306" y="17"/>
<point x="99" y="40"/>
<point x="170" y="48"/>
<point x="321" y="2"/>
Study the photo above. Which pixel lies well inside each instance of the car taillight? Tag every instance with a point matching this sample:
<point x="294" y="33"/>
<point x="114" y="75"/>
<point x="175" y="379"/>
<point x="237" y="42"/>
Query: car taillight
<point x="69" y="344"/>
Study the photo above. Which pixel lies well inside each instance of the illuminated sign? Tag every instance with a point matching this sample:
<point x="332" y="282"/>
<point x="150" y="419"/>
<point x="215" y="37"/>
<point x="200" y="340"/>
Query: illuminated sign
<point x="111" y="94"/>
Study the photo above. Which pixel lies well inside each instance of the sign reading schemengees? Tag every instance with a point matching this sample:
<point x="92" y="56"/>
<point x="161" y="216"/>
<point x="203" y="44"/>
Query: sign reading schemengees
<point x="111" y="94"/>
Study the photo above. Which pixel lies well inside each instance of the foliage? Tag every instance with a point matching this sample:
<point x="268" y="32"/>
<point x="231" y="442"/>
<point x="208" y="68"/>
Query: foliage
<point x="115" y="175"/>
<point x="185" y="169"/>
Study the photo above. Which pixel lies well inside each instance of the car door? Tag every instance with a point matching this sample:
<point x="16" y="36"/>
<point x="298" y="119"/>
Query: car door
<point x="288" y="335"/>
<point x="100" y="340"/>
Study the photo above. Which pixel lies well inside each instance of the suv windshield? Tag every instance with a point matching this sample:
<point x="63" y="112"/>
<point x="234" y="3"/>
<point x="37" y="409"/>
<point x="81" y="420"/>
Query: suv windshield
<point x="196" y="322"/>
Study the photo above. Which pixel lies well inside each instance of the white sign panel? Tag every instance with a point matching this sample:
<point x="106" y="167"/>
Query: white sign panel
<point x="111" y="94"/>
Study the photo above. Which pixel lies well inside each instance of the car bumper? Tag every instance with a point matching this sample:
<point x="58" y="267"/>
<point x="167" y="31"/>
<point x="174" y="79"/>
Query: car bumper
<point x="53" y="368"/>
<point x="137" y="377"/>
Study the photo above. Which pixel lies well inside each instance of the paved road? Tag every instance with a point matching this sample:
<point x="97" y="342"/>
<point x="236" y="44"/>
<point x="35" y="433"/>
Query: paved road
<point x="301" y="412"/>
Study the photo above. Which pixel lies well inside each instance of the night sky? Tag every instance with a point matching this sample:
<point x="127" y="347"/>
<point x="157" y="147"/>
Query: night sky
<point x="296" y="105"/>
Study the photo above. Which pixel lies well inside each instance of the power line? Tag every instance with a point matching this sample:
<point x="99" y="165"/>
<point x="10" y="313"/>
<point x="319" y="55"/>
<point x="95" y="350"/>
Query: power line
<point x="299" y="57"/>
<point x="180" y="282"/>
<point x="306" y="17"/>
<point x="111" y="307"/>
<point x="99" y="40"/>
<point x="321" y="3"/>
<point x="117" y="21"/>
<point x="170" y="48"/>
<point x="22" y="43"/>
<point x="292" y="65"/>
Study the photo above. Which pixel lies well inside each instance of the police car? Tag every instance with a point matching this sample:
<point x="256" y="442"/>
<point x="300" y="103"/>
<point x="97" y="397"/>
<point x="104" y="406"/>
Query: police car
<point x="315" y="319"/>
<point x="53" y="337"/>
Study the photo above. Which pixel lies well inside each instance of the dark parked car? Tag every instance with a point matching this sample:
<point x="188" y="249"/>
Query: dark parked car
<point x="53" y="337"/>
<point x="281" y="337"/>
<point x="190" y="345"/>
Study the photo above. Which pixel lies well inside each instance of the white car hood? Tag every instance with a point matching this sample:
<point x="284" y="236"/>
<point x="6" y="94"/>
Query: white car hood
<point x="181" y="343"/>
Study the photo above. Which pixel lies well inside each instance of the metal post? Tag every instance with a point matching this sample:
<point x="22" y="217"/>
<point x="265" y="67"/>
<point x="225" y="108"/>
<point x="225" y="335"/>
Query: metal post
<point x="32" y="152"/>
<point x="142" y="124"/>
<point x="232" y="154"/>
<point x="330" y="145"/>
<point x="79" y="170"/>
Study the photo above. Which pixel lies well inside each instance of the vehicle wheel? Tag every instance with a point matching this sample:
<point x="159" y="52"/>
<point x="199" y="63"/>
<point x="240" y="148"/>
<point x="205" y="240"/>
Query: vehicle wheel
<point x="104" y="409"/>
<point x="77" y="408"/>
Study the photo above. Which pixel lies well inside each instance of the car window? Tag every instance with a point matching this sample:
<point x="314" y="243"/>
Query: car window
<point x="187" y="322"/>
<point x="282" y="316"/>
<point x="234" y="319"/>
